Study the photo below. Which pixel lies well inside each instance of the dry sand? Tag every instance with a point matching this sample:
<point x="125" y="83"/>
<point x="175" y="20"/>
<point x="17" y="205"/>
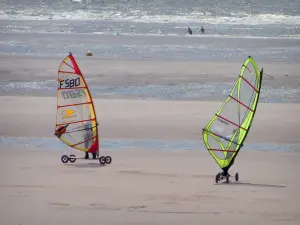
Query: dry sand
<point x="143" y="186"/>
<point x="146" y="119"/>
<point x="147" y="187"/>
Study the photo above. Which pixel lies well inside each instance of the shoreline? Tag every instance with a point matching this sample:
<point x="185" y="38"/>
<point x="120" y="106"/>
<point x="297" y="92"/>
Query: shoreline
<point x="127" y="144"/>
<point x="147" y="79"/>
<point x="181" y="48"/>
<point x="147" y="119"/>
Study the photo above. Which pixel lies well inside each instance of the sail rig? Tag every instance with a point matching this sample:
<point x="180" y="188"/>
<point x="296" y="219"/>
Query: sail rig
<point x="226" y="132"/>
<point x="76" y="122"/>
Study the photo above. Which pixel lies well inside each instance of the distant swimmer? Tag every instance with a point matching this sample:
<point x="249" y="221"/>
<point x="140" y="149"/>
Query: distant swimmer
<point x="202" y="29"/>
<point x="190" y="31"/>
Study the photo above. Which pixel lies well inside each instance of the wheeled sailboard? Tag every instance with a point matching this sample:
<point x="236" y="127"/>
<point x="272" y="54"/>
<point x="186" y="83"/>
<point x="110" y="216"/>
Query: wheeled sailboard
<point x="76" y="121"/>
<point x="72" y="158"/>
<point x="226" y="132"/>
<point x="220" y="176"/>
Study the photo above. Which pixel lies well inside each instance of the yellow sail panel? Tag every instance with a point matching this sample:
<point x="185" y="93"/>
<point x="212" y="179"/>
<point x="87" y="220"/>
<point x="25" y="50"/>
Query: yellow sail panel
<point x="225" y="133"/>
<point x="76" y="122"/>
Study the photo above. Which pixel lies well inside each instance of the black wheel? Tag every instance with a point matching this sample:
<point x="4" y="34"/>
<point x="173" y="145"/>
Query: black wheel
<point x="102" y="160"/>
<point x="236" y="177"/>
<point x="108" y="159"/>
<point x="64" y="159"/>
<point x="217" y="177"/>
<point x="72" y="158"/>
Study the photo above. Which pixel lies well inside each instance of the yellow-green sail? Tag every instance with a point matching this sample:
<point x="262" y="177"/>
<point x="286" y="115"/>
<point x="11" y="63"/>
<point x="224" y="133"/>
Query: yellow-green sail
<point x="225" y="133"/>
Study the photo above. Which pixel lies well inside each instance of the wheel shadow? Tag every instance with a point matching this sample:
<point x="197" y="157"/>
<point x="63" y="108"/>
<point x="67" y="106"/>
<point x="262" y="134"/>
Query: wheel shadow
<point x="86" y="165"/>
<point x="252" y="184"/>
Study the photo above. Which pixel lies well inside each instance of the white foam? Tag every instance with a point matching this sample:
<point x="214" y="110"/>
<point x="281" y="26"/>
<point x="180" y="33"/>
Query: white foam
<point x="139" y="16"/>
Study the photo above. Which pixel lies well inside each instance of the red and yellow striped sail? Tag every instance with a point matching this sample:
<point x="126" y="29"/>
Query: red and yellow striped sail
<point x="76" y="122"/>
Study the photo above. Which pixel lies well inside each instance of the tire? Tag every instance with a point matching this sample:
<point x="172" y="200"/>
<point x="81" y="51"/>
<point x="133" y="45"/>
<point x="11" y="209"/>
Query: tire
<point x="107" y="159"/>
<point x="227" y="179"/>
<point x="236" y="177"/>
<point x="102" y="160"/>
<point x="64" y="159"/>
<point x="217" y="178"/>
<point x="72" y="160"/>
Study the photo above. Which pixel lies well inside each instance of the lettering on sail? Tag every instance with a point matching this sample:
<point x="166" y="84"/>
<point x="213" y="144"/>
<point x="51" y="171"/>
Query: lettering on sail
<point x="223" y="121"/>
<point x="73" y="94"/>
<point x="69" y="83"/>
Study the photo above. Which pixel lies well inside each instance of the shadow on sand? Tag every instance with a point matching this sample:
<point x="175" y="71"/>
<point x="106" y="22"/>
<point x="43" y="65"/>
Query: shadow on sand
<point x="86" y="165"/>
<point x="252" y="184"/>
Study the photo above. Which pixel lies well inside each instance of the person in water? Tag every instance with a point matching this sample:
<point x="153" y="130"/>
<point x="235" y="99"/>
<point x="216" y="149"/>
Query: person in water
<point x="87" y="136"/>
<point x="202" y="29"/>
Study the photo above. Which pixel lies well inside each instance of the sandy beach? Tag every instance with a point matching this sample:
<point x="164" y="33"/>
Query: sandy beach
<point x="145" y="186"/>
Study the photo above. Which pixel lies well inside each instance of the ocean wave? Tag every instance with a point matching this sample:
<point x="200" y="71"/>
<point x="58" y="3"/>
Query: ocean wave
<point x="143" y="17"/>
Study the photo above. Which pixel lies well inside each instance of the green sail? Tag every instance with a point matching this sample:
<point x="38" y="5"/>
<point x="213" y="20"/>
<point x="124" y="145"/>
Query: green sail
<point x="226" y="131"/>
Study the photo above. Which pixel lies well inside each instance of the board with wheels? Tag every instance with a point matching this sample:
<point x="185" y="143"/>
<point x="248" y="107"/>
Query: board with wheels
<point x="72" y="158"/>
<point x="220" y="177"/>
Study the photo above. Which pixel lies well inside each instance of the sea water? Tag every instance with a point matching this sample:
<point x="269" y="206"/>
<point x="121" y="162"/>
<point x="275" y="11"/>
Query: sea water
<point x="153" y="28"/>
<point x="189" y="91"/>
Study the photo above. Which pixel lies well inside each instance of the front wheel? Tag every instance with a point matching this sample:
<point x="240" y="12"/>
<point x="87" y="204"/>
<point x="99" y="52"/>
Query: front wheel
<point x="217" y="177"/>
<point x="102" y="160"/>
<point x="72" y="158"/>
<point x="64" y="159"/>
<point x="236" y="177"/>
<point x="108" y="160"/>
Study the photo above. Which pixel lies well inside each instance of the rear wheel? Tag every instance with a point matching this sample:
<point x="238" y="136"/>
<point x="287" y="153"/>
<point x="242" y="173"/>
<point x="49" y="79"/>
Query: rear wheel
<point x="72" y="158"/>
<point x="107" y="159"/>
<point x="64" y="159"/>
<point x="236" y="177"/>
<point x="217" y="177"/>
<point x="102" y="160"/>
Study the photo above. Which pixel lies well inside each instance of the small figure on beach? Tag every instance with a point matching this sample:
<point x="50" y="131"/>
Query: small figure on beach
<point x="190" y="31"/>
<point x="87" y="137"/>
<point x="202" y="29"/>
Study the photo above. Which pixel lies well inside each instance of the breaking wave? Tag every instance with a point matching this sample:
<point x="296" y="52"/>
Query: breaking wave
<point x="145" y="17"/>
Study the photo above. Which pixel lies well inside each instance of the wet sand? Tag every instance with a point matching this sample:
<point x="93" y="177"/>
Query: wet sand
<point x="146" y="119"/>
<point x="143" y="186"/>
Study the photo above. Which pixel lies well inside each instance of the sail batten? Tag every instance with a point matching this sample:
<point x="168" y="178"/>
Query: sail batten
<point x="66" y="72"/>
<point x="76" y="122"/>
<point x="229" y="121"/>
<point x="241" y="103"/>
<point x="80" y="121"/>
<point x="83" y="141"/>
<point x="226" y="132"/>
<point x="249" y="83"/>
<point x="221" y="150"/>
<point x="61" y="106"/>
